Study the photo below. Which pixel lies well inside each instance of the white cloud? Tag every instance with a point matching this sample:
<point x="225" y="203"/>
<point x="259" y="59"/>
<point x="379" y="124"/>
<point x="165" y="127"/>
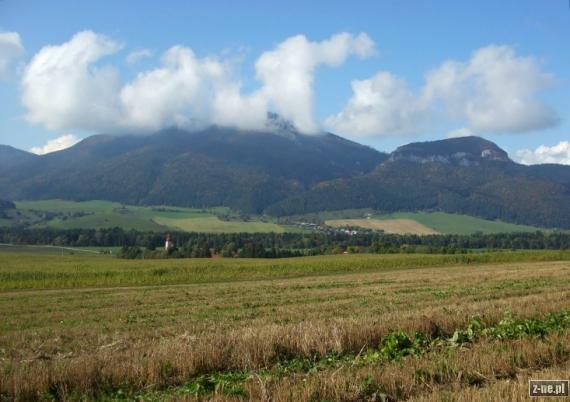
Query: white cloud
<point x="381" y="105"/>
<point x="495" y="91"/>
<point x="460" y="132"/>
<point x="137" y="55"/>
<point x="57" y="144"/>
<point x="287" y="72"/>
<point x="559" y="153"/>
<point x="10" y="48"/>
<point x="287" y="76"/>
<point x="64" y="88"/>
<point x="180" y="92"/>
<point x="232" y="109"/>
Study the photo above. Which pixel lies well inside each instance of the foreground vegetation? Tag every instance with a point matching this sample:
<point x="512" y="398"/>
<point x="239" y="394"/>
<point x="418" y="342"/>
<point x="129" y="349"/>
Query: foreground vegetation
<point x="39" y="271"/>
<point x="354" y="327"/>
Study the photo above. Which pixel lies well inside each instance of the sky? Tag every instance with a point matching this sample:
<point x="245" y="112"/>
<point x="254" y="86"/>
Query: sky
<point x="383" y="73"/>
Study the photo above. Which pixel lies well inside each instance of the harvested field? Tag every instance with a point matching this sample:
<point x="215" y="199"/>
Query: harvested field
<point x="321" y="336"/>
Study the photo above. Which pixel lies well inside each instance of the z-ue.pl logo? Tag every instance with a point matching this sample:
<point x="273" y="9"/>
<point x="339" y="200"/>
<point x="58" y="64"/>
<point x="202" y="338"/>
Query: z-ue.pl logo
<point x="547" y="388"/>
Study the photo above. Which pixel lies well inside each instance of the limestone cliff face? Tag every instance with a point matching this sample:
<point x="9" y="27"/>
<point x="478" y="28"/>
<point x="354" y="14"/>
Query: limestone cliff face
<point x="465" y="151"/>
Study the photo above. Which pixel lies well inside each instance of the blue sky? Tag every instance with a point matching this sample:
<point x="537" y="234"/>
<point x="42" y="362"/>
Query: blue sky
<point x="411" y="38"/>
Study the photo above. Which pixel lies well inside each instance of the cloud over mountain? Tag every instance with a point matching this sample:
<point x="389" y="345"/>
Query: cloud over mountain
<point x="380" y="105"/>
<point x="287" y="72"/>
<point x="178" y="92"/>
<point x="56" y="144"/>
<point x="66" y="86"/>
<point x="62" y="88"/>
<point x="495" y="91"/>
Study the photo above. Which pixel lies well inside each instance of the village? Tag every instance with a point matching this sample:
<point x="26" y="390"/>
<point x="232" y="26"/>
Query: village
<point x="351" y="231"/>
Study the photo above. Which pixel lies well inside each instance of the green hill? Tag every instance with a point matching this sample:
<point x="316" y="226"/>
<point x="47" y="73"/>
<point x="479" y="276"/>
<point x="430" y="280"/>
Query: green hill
<point x="476" y="179"/>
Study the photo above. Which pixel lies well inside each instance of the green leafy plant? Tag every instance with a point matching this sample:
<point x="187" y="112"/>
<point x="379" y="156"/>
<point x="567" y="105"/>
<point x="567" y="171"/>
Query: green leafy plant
<point x="464" y="336"/>
<point x="227" y="383"/>
<point x="398" y="344"/>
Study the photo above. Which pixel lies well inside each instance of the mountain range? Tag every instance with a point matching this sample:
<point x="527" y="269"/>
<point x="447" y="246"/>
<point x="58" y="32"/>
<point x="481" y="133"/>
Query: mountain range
<point x="284" y="173"/>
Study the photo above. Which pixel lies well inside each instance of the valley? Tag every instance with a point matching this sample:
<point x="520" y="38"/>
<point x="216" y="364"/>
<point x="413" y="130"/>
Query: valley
<point x="60" y="214"/>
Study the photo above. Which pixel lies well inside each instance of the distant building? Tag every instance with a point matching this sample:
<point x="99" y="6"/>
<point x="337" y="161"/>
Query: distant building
<point x="168" y="244"/>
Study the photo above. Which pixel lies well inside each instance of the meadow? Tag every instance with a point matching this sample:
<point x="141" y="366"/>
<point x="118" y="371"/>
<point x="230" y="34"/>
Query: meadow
<point x="423" y="223"/>
<point x="348" y="327"/>
<point x="396" y="226"/>
<point x="60" y="214"/>
<point x="419" y="222"/>
<point x="445" y="223"/>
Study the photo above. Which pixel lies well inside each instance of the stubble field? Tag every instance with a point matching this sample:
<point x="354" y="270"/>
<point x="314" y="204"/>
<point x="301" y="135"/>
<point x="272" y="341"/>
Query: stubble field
<point x="354" y="327"/>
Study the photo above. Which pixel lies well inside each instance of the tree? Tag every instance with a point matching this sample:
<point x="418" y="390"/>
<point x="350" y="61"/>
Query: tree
<point x="229" y="249"/>
<point x="201" y="251"/>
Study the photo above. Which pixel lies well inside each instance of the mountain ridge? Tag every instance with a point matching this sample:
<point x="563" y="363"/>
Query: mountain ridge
<point x="10" y="156"/>
<point x="462" y="151"/>
<point x="288" y="173"/>
<point x="420" y="176"/>
<point x="216" y="166"/>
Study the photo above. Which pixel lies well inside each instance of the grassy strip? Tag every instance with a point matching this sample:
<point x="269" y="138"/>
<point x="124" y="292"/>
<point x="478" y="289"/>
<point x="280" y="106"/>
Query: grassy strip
<point x="393" y="348"/>
<point x="28" y="271"/>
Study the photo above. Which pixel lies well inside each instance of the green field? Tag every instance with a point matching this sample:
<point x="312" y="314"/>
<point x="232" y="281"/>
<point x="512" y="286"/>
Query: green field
<point x="213" y="225"/>
<point x="337" y="328"/>
<point x="58" y="250"/>
<point x="21" y="271"/>
<point x="446" y="223"/>
<point x="441" y="222"/>
<point x="104" y="214"/>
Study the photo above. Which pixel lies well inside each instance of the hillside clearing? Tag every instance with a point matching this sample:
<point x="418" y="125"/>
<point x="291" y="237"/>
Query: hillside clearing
<point x="396" y="226"/>
<point x="212" y="224"/>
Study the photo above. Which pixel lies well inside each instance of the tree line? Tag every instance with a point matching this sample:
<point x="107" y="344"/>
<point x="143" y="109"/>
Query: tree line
<point x="138" y="244"/>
